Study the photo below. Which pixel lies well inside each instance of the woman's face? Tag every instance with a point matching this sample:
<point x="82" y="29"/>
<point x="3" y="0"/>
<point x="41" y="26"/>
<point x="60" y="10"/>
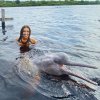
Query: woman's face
<point x="26" y="33"/>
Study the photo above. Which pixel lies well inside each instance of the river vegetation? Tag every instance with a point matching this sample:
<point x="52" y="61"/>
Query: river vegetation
<point x="18" y="3"/>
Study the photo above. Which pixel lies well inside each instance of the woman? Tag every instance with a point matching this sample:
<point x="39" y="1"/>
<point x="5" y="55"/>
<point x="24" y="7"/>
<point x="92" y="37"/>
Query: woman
<point x="24" y="40"/>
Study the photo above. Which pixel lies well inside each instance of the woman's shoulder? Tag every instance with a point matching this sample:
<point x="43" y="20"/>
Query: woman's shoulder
<point x="33" y="40"/>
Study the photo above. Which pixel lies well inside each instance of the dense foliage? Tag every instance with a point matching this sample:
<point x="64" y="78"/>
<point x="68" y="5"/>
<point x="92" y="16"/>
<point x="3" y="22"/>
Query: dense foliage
<point x="19" y="3"/>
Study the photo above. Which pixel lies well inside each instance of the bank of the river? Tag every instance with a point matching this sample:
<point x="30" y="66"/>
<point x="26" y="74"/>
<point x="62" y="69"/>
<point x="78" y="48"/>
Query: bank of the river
<point x="45" y="3"/>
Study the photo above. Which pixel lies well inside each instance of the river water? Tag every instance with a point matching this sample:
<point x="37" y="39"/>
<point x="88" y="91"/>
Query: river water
<point x="74" y="30"/>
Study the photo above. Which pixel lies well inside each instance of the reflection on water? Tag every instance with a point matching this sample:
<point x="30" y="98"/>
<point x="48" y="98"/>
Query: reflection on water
<point x="70" y="29"/>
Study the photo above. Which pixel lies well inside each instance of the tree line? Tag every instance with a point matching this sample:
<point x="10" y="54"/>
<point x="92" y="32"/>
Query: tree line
<point x="16" y="3"/>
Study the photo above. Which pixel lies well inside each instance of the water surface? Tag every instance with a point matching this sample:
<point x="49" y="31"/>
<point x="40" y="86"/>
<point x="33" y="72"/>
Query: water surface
<point x="74" y="30"/>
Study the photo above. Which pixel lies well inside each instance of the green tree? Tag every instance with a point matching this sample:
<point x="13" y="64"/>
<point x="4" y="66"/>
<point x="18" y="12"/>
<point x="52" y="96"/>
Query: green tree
<point x="17" y="1"/>
<point x="97" y="1"/>
<point x="71" y="0"/>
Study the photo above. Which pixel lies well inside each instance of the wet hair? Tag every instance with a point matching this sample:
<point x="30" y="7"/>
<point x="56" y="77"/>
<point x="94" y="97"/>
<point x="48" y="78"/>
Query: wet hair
<point x="21" y="34"/>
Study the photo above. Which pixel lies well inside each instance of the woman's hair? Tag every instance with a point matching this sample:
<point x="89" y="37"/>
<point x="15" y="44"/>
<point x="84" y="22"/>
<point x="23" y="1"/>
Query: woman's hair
<point x="21" y="33"/>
